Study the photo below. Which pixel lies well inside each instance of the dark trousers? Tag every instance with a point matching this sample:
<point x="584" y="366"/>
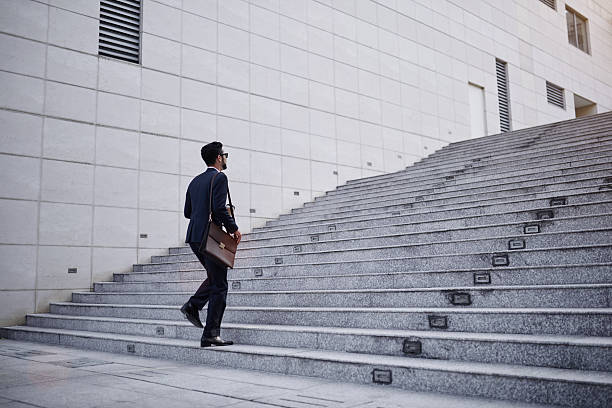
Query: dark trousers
<point x="213" y="290"/>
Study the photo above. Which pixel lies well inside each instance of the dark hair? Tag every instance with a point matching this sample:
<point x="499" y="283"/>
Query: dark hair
<point x="211" y="151"/>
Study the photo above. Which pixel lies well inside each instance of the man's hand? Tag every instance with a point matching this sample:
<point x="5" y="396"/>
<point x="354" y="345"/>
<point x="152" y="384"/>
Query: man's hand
<point x="237" y="236"/>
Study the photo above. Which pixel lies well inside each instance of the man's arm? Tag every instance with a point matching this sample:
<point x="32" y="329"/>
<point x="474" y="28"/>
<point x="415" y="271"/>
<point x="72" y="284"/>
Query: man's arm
<point x="187" y="210"/>
<point x="219" y="200"/>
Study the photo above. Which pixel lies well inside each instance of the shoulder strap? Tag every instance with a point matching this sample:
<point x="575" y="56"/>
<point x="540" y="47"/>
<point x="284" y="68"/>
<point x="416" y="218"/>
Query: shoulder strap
<point x="210" y="197"/>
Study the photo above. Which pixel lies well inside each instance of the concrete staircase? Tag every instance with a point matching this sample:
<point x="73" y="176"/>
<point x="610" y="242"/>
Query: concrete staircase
<point x="482" y="270"/>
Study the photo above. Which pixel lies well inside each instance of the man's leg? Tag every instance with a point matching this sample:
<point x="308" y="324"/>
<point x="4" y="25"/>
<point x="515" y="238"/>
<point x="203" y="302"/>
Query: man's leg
<point x="200" y="297"/>
<point x="217" y="275"/>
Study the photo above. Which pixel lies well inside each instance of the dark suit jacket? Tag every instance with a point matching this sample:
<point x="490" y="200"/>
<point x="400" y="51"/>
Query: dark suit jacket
<point x="197" y="203"/>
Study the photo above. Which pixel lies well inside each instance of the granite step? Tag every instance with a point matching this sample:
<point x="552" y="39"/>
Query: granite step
<point x="593" y="133"/>
<point x="457" y="183"/>
<point x="527" y="137"/>
<point x="288" y="266"/>
<point x="587" y="216"/>
<point x="401" y="246"/>
<point x="589" y="295"/>
<point x="555" y="185"/>
<point x="570" y="321"/>
<point x="577" y="388"/>
<point x="456" y="216"/>
<point x="190" y="280"/>
<point x="452" y="200"/>
<point x="398" y="236"/>
<point x="467" y="163"/>
<point x="559" y="351"/>
<point x="488" y="147"/>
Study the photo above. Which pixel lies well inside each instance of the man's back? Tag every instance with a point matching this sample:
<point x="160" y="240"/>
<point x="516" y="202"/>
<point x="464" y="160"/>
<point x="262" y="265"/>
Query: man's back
<point x="197" y="202"/>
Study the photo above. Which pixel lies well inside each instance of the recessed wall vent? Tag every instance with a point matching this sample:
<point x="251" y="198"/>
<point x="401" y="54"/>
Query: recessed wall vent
<point x="554" y="94"/>
<point x="550" y="3"/>
<point x="503" y="95"/>
<point x="119" y="35"/>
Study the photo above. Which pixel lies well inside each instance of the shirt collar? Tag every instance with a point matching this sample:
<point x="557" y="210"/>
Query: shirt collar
<point x="211" y="167"/>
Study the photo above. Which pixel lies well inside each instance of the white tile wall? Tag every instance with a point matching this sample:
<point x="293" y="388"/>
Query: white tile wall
<point x="21" y="133"/>
<point x="295" y="90"/>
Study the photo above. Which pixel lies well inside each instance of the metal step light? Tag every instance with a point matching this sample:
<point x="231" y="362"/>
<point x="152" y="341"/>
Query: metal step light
<point x="558" y="201"/>
<point x="278" y="261"/>
<point x="314" y="238"/>
<point x="545" y="215"/>
<point x="159" y="330"/>
<point x="460" y="299"/>
<point x="500" y="260"/>
<point x="72" y="270"/>
<point x="395" y="214"/>
<point x="382" y="376"/>
<point x="438" y="322"/>
<point x="482" y="278"/>
<point x="514" y="244"/>
<point x="531" y="229"/>
<point x="131" y="348"/>
<point x="258" y="271"/>
<point x="412" y="346"/>
<point x="331" y="228"/>
<point x="297" y="248"/>
<point x="236" y="285"/>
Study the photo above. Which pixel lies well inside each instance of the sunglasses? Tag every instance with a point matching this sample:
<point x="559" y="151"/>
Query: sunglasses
<point x="224" y="154"/>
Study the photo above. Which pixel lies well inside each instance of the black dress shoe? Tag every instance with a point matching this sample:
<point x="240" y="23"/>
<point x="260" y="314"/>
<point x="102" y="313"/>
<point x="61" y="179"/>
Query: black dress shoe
<point x="214" y="341"/>
<point x="192" y="314"/>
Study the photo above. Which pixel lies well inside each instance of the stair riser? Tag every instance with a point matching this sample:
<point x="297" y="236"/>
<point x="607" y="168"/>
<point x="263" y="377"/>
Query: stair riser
<point x="533" y="354"/>
<point x="388" y="263"/>
<point x="498" y="202"/>
<point x="428" y="199"/>
<point x="417" y="379"/>
<point x="497" y="244"/>
<point x="582" y="217"/>
<point x="567" y="136"/>
<point x="545" y="134"/>
<point x="568" y="297"/>
<point x="524" y="170"/>
<point x="467" y="186"/>
<point x="476" y="159"/>
<point x="459" y="320"/>
<point x="447" y="215"/>
<point x="465" y="167"/>
<point x="591" y="274"/>
<point x="514" y="231"/>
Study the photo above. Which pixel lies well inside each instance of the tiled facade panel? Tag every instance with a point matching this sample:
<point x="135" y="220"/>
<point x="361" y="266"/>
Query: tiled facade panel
<point x="305" y="94"/>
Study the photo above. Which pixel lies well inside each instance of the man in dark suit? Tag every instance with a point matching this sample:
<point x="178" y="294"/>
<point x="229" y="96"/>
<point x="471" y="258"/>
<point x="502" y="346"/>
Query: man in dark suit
<point x="214" y="289"/>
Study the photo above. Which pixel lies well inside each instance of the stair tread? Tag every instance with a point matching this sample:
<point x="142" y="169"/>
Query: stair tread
<point x="386" y="290"/>
<point x="504" y="370"/>
<point x="504" y="337"/>
<point x="528" y="310"/>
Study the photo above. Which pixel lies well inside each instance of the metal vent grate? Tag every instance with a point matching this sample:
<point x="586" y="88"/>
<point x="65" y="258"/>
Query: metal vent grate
<point x="554" y="94"/>
<point x="120" y="29"/>
<point x="550" y="3"/>
<point x="503" y="95"/>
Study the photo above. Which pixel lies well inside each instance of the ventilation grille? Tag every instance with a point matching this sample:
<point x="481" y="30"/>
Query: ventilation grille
<point x="550" y="3"/>
<point x="554" y="94"/>
<point x="503" y="95"/>
<point x="120" y="29"/>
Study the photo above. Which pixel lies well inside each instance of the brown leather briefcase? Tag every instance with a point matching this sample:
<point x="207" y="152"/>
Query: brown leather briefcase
<point x="217" y="243"/>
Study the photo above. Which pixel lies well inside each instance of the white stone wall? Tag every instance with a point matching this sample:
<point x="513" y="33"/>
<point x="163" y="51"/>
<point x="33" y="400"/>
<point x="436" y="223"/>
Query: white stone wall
<point x="305" y="94"/>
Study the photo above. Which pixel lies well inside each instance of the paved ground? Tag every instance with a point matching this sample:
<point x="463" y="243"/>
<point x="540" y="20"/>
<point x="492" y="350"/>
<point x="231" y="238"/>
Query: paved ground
<point x="41" y="375"/>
